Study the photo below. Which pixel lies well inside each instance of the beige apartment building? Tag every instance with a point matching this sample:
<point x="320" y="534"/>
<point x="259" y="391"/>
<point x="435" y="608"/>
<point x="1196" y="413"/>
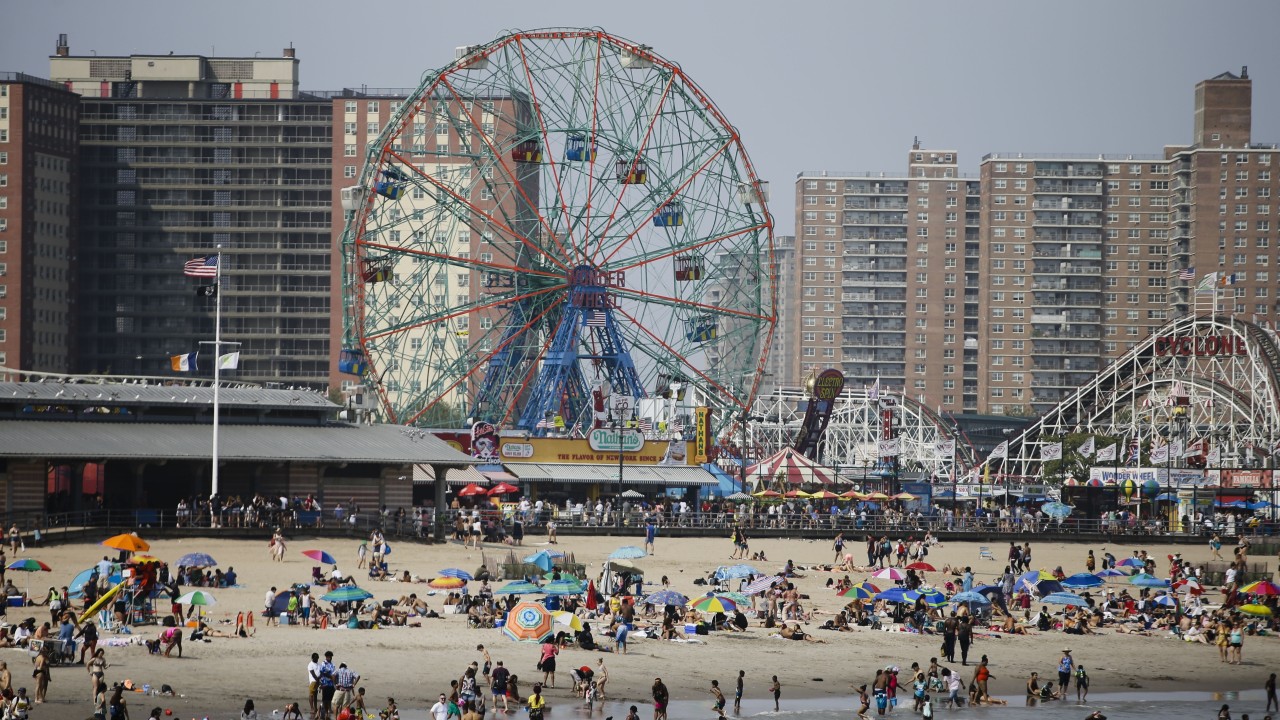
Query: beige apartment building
<point x="887" y="278"/>
<point x="1004" y="294"/>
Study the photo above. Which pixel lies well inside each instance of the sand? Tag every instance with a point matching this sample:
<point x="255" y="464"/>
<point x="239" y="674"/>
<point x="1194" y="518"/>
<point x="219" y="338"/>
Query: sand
<point x="414" y="664"/>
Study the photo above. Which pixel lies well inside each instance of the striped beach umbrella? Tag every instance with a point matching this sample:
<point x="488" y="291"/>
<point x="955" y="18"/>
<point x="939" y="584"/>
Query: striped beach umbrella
<point x="528" y="622"/>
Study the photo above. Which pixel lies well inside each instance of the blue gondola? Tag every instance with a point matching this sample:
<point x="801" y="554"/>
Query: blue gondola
<point x="576" y="149"/>
<point x="702" y="330"/>
<point x="528" y="151"/>
<point x="688" y="267"/>
<point x="392" y="184"/>
<point x="633" y="171"/>
<point x="352" y="362"/>
<point x="670" y="215"/>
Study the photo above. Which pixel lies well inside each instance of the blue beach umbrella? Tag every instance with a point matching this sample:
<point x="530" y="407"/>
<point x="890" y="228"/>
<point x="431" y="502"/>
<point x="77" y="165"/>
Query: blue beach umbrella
<point x="197" y="559"/>
<point x="564" y="587"/>
<point x="1111" y="572"/>
<point x="1063" y="598"/>
<point x="932" y="598"/>
<point x="1148" y="580"/>
<point x="519" y="587"/>
<point x="729" y="572"/>
<point x="1166" y="601"/>
<point x="456" y="573"/>
<point x="347" y="593"/>
<point x="667" y="597"/>
<point x="970" y="597"/>
<point x="627" y="552"/>
<point x="542" y="559"/>
<point x="1056" y="509"/>
<point x="893" y="594"/>
<point x="1082" y="581"/>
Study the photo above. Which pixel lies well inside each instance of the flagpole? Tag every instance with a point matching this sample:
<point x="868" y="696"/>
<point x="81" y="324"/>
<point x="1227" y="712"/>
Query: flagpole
<point x="217" y="369"/>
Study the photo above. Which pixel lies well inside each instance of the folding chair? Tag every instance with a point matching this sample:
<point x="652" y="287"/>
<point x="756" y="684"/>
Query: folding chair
<point x="984" y="553"/>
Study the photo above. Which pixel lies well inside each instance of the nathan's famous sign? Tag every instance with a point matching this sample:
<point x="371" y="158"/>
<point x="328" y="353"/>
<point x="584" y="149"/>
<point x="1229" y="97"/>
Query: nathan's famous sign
<point x="1201" y="345"/>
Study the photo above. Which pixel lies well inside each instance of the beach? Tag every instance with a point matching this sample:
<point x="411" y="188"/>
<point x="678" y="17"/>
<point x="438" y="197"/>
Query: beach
<point x="414" y="664"/>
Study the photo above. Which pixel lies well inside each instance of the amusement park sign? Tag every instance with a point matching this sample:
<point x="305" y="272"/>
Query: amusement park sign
<point x="608" y="440"/>
<point x="1201" y="346"/>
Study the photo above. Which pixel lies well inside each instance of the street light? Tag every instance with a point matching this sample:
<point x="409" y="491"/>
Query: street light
<point x="743" y="419"/>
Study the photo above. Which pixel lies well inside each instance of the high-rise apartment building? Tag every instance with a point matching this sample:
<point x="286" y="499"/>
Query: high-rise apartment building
<point x="38" y="212"/>
<point x="1049" y="266"/>
<point x="183" y="155"/>
<point x="887" y="277"/>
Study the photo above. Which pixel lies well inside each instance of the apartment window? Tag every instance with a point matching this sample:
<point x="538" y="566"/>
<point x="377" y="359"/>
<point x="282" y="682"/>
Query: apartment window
<point x="830" y="201"/>
<point x="1002" y="167"/>
<point x="999" y="200"/>
<point x="4" y="136"/>
<point x="374" y="107"/>
<point x="348" y="171"/>
<point x="810" y="200"/>
<point x="349" y="150"/>
<point x="810" y="184"/>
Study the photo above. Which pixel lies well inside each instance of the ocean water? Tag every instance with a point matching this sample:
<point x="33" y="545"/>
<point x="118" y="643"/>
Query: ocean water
<point x="1166" y="706"/>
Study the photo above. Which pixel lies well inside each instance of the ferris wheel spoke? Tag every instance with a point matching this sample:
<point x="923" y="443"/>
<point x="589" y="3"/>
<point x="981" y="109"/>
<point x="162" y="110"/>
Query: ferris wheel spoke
<point x="668" y="351"/>
<point x="701" y="308"/>
<point x="493" y="304"/>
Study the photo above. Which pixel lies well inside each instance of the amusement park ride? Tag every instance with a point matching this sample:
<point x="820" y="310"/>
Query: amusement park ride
<point x="556" y="215"/>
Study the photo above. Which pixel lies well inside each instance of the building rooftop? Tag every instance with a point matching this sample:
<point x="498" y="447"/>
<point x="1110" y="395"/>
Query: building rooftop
<point x="19" y="77"/>
<point x="78" y="395"/>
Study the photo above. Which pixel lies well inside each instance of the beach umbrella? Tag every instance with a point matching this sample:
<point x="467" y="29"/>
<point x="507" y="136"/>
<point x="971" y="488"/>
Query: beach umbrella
<point x="472" y="490"/>
<point x="1110" y="573"/>
<point x="503" y="488"/>
<point x="859" y="592"/>
<point x="76" y="586"/>
<point x="564" y="587"/>
<point x="876" y="497"/>
<point x="197" y="559"/>
<point x="1131" y="562"/>
<point x="627" y="552"/>
<point x="593" y="596"/>
<point x="729" y="572"/>
<point x="1166" y="601"/>
<point x="1261" y="587"/>
<point x="519" y="587"/>
<point x="932" y="598"/>
<point x="542" y="559"/>
<point x="127" y="541"/>
<point x="738" y="497"/>
<point x="713" y="603"/>
<point x="905" y="496"/>
<point x="666" y="597"/>
<point x="766" y="494"/>
<point x="922" y="566"/>
<point x="970" y="597"/>
<point x="28" y="565"/>
<point x="563" y="576"/>
<point x="567" y="619"/>
<point x="1190" y="585"/>
<point x="1255" y="609"/>
<point x="852" y="495"/>
<point x="1083" y="580"/>
<point x="347" y="593"/>
<point x="633" y="495"/>
<point x="1056" y="509"/>
<point x="197" y="597"/>
<point x="1148" y="580"/>
<point x="625" y="566"/>
<point x="144" y="560"/>
<point x="794" y="494"/>
<point x="528" y="622"/>
<point x="447" y="583"/>
<point x="761" y="584"/>
<point x="321" y="556"/>
<point x="824" y="495"/>
<point x="1063" y="598"/>
<point x="890" y="573"/>
<point x="737" y="597"/>
<point x="456" y="573"/>
<point x="893" y="594"/>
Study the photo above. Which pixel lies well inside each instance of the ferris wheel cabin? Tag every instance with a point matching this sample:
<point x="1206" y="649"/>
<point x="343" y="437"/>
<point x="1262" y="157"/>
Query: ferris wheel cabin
<point x="392" y="184"/>
<point x="631" y="172"/>
<point x="702" y="329"/>
<point x="353" y="362"/>
<point x="670" y="215"/>
<point x="529" y="151"/>
<point x="688" y="268"/>
<point x="577" y="149"/>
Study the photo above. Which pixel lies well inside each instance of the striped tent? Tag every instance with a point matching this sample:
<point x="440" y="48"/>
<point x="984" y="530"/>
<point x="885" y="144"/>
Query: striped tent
<point x="788" y="467"/>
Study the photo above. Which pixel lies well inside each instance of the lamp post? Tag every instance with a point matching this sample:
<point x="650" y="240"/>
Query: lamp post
<point x="621" y="409"/>
<point x="743" y="419"/>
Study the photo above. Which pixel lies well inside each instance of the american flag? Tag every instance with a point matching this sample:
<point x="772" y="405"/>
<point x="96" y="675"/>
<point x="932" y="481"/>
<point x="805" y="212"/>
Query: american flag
<point x="1188" y="273"/>
<point x="202" y="267"/>
<point x="1134" y="450"/>
<point x="545" y="424"/>
<point x="596" y="318"/>
<point x="646" y="425"/>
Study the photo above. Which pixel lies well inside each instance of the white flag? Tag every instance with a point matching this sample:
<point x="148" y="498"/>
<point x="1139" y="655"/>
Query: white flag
<point x="230" y="361"/>
<point x="1001" y="451"/>
<point x="873" y="392"/>
<point x="1214" y="457"/>
<point x="1160" y="454"/>
<point x="944" y="448"/>
<point x="889" y="448"/>
<point x="1175" y="448"/>
<point x="1051" y="451"/>
<point x="1107" y="453"/>
<point x="1087" y="447"/>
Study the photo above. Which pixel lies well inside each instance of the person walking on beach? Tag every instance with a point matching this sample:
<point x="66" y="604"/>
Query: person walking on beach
<point x="547" y="663"/>
<point x="1215" y="544"/>
<point x="965" y="635"/>
<point x="650" y="532"/>
<point x="980" y="678"/>
<point x="1066" y="667"/>
<point x="742" y="675"/>
<point x="776" y="689"/>
<point x="660" y="698"/>
<point x="949" y="627"/>
<point x="839" y="547"/>
<point x="880" y="689"/>
<point x="718" y="694"/>
<point x="1270" y="687"/>
<point x="864" y="702"/>
<point x="1082" y="685"/>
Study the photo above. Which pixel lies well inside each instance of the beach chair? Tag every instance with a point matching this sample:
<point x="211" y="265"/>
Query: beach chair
<point x="984" y="553"/>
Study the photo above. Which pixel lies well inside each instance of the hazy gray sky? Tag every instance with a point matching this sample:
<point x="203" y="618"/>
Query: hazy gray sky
<point x="810" y="85"/>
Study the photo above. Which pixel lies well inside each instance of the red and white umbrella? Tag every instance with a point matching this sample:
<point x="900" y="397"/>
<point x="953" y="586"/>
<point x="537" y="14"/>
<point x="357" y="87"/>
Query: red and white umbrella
<point x="790" y="467"/>
<point x="890" y="573"/>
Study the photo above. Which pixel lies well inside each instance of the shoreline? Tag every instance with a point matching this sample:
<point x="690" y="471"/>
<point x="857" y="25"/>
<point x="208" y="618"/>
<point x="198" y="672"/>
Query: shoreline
<point x="413" y="664"/>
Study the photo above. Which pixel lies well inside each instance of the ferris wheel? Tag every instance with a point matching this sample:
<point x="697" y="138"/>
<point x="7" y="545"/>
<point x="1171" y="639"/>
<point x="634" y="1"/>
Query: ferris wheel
<point x="554" y="213"/>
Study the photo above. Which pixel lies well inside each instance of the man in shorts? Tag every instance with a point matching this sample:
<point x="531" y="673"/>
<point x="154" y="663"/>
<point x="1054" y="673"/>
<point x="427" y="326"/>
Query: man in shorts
<point x="737" y="693"/>
<point x="313" y="682"/>
<point x="268" y="603"/>
<point x="498" y="685"/>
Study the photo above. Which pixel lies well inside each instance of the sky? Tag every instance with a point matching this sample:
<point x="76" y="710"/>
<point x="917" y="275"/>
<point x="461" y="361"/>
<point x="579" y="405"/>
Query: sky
<point x="842" y="86"/>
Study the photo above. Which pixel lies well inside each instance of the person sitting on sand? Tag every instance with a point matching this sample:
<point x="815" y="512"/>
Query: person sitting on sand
<point x="795" y="633"/>
<point x="416" y="605"/>
<point x="1012" y="626"/>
